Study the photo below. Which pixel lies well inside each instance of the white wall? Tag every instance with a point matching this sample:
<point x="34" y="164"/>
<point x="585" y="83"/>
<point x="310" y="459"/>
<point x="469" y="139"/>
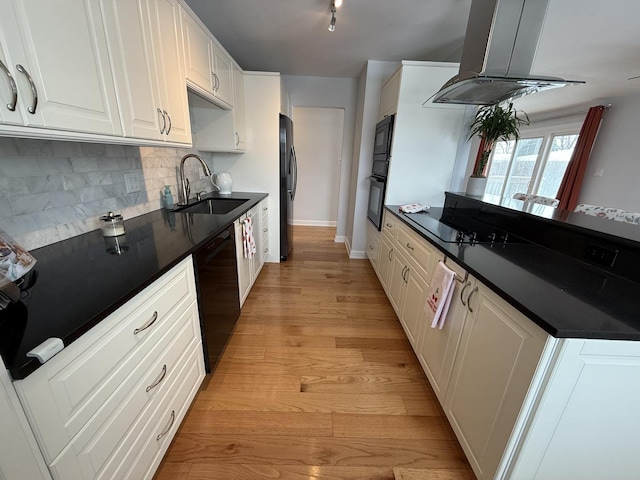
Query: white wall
<point x="257" y="170"/>
<point x="331" y="93"/>
<point x="318" y="137"/>
<point x="617" y="153"/>
<point x="370" y="83"/>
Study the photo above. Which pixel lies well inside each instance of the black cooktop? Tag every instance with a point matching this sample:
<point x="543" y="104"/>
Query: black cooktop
<point x="447" y="231"/>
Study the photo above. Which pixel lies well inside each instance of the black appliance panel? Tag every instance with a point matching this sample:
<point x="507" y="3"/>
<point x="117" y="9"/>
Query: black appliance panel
<point x="288" y="185"/>
<point x="376" y="200"/>
<point x="384" y="134"/>
<point x="218" y="296"/>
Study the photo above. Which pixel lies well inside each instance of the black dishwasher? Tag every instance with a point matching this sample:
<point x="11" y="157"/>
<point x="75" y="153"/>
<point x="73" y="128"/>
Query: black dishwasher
<point x="218" y="298"/>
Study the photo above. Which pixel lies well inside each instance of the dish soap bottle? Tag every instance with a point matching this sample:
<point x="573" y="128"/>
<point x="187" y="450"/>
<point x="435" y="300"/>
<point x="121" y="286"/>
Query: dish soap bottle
<point x="168" y="198"/>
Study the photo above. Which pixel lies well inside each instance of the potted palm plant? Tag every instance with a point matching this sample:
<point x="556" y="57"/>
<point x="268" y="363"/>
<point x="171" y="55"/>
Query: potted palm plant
<point x="492" y="123"/>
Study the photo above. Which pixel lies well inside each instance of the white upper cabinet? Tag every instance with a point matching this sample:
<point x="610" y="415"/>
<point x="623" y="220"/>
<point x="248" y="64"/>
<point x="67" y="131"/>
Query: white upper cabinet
<point x="128" y="29"/>
<point x="209" y="70"/>
<point x="57" y="54"/>
<point x="168" y="54"/>
<point x="198" y="54"/>
<point x="223" y="75"/>
<point x="238" y="110"/>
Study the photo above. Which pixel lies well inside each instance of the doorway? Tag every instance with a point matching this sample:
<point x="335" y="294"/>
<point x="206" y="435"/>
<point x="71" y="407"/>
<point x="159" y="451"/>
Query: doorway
<point x="317" y="136"/>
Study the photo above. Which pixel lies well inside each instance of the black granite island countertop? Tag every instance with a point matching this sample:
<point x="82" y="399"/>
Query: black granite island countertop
<point x="567" y="297"/>
<point x="78" y="283"/>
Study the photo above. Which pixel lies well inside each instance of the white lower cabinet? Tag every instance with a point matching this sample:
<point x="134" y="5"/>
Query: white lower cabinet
<point x="436" y="347"/>
<point x="98" y="408"/>
<point x="373" y="245"/>
<point x="385" y="260"/>
<point x="249" y="267"/>
<point x="493" y="369"/>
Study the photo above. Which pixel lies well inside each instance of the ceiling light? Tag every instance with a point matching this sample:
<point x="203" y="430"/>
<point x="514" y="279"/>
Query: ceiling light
<point x="338" y="3"/>
<point x="332" y="25"/>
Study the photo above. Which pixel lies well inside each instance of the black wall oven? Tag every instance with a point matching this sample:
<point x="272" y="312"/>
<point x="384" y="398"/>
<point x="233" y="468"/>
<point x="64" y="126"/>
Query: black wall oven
<point x="379" y="170"/>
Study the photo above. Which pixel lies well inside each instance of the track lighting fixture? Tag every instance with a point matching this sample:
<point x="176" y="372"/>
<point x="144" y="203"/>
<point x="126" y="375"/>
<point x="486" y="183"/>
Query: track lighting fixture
<point x="332" y="24"/>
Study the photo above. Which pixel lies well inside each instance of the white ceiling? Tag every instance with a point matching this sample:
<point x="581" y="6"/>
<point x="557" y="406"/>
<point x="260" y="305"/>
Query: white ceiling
<point x="581" y="40"/>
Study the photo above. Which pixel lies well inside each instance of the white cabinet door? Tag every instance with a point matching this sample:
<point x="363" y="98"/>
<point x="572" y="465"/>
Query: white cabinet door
<point x="167" y="48"/>
<point x="412" y="317"/>
<point x="244" y="264"/>
<point x="373" y="245"/>
<point x="238" y="110"/>
<point x="223" y="75"/>
<point x="385" y="259"/>
<point x="257" y="260"/>
<point x="389" y="96"/>
<point x="58" y="54"/>
<point x="497" y="359"/>
<point x="128" y="30"/>
<point x="397" y="285"/>
<point x="20" y="457"/>
<point x="9" y="111"/>
<point x="198" y="53"/>
<point x="437" y="347"/>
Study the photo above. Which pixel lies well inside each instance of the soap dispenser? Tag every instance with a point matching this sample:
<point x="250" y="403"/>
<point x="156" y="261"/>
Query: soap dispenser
<point x="168" y="198"/>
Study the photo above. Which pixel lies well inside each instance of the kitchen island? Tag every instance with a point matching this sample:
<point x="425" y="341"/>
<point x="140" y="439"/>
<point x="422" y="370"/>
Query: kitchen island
<point x="537" y="364"/>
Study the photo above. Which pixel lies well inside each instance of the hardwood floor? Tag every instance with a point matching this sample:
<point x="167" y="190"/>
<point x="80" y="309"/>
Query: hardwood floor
<point x="317" y="382"/>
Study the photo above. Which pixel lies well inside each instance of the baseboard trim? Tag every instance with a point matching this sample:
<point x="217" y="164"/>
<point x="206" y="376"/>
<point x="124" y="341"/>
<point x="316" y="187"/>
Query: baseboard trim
<point x="340" y="239"/>
<point x="314" y="223"/>
<point x="358" y="254"/>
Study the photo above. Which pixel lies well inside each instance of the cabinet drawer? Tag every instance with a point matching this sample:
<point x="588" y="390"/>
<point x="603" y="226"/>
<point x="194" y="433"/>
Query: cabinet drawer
<point x="136" y="449"/>
<point x="63" y="394"/>
<point x="390" y="225"/>
<point x="418" y="250"/>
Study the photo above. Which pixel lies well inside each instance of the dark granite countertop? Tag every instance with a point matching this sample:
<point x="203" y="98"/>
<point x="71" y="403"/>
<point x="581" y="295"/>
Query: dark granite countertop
<point x="567" y="297"/>
<point x="78" y="283"/>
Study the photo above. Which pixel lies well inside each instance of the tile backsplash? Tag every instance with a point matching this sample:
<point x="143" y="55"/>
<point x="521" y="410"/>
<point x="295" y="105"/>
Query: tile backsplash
<point x="53" y="190"/>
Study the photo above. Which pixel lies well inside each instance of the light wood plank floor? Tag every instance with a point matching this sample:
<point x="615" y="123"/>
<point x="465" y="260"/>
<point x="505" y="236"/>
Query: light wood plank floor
<point x="318" y="382"/>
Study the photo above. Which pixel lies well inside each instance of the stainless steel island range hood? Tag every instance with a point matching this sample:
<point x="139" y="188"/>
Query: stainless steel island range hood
<point x="499" y="48"/>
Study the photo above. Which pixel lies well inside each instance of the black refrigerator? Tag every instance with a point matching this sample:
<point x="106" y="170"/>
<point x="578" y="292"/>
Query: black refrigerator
<point x="288" y="182"/>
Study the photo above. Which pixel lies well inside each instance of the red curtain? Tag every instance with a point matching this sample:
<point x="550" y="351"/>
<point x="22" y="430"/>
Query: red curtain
<point x="569" y="190"/>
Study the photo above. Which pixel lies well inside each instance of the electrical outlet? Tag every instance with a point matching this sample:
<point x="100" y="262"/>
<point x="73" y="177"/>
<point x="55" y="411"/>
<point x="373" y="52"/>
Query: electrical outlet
<point x="600" y="255"/>
<point x="132" y="182"/>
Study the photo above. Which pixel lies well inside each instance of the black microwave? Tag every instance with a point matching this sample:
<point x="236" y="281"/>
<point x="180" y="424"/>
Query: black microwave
<point x="384" y="133"/>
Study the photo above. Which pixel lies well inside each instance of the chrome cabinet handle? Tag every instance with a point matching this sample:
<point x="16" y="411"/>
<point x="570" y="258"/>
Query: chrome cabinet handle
<point x="216" y="85"/>
<point x="265" y="230"/>
<point x="164" y="121"/>
<point x="390" y="252"/>
<point x="34" y="90"/>
<point x="406" y="275"/>
<point x="409" y="246"/>
<point x="469" y="299"/>
<point x="466" y="285"/>
<point x="14" y="89"/>
<point x="160" y="378"/>
<point x="166" y="430"/>
<point x="389" y="225"/>
<point x="370" y="247"/>
<point x="147" y="325"/>
<point x="237" y="139"/>
<point x="169" y="117"/>
<point x="265" y="208"/>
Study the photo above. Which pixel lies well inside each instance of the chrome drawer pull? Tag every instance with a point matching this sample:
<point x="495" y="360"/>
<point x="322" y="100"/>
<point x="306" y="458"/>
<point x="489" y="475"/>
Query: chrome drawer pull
<point x="409" y="246"/>
<point x="164" y="122"/>
<point x="34" y="90"/>
<point x="389" y="225"/>
<point x="468" y="284"/>
<point x="390" y="252"/>
<point x="173" y="419"/>
<point x="237" y="139"/>
<point x="14" y="90"/>
<point x="169" y="118"/>
<point x="144" y="327"/>
<point x="469" y="299"/>
<point x="160" y="378"/>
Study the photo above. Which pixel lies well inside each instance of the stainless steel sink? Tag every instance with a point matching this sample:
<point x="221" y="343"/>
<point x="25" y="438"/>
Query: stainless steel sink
<point x="213" y="206"/>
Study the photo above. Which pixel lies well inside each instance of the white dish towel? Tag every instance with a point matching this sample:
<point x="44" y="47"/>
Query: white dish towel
<point x="439" y="295"/>
<point x="248" y="243"/>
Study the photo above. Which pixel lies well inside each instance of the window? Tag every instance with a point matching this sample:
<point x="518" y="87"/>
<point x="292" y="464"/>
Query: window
<point x="535" y="164"/>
